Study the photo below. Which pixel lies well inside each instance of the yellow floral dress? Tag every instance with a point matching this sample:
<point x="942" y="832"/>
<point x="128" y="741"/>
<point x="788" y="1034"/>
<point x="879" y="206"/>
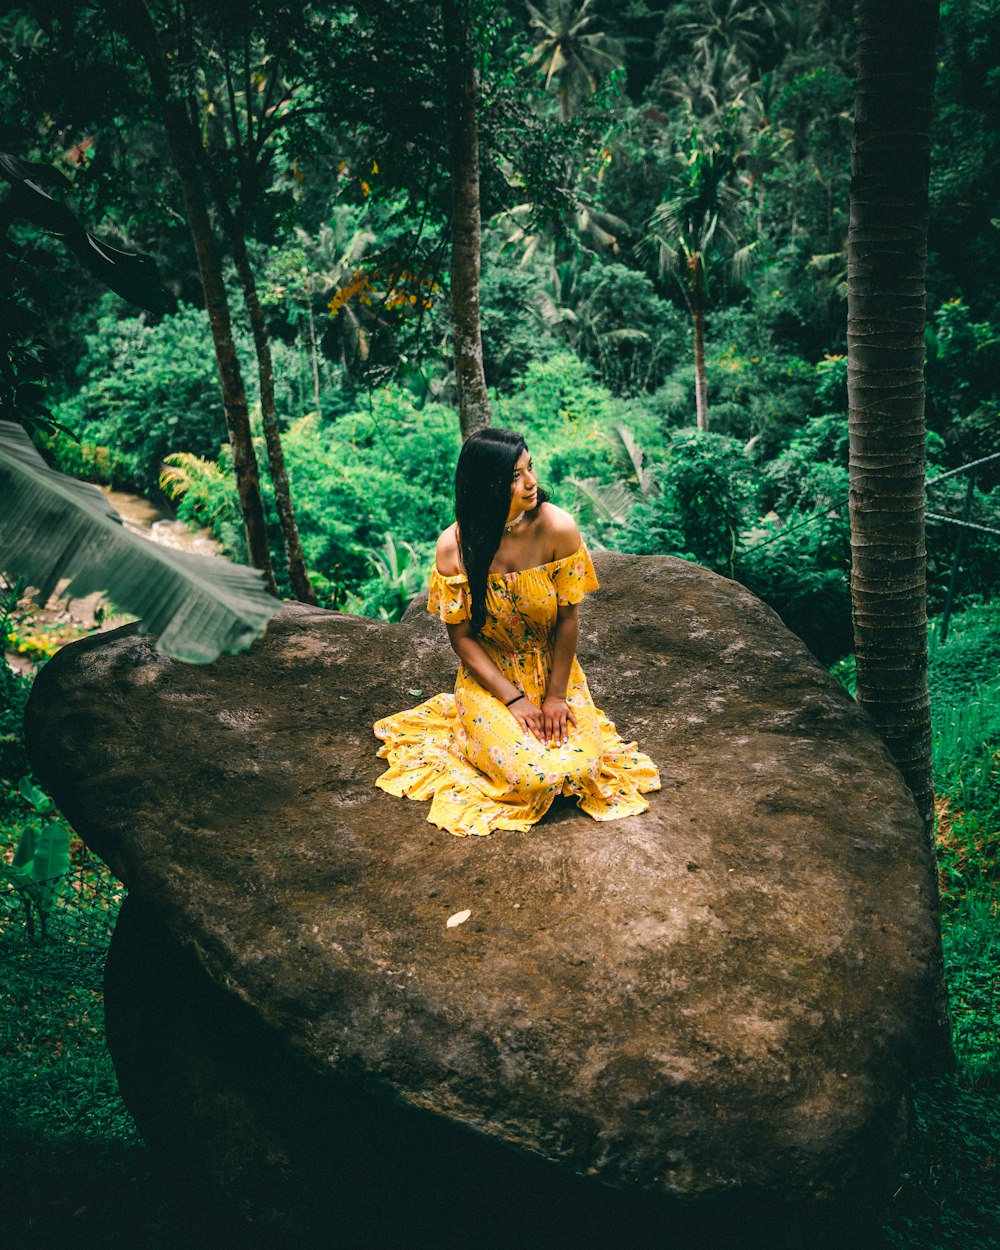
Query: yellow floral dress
<point x="467" y="753"/>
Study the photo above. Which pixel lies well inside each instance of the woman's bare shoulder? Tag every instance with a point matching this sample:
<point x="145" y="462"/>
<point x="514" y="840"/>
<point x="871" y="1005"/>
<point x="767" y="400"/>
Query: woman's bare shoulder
<point x="447" y="557"/>
<point x="561" y="531"/>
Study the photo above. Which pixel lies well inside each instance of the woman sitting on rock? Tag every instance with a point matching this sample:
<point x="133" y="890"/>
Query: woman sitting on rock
<point x="521" y="726"/>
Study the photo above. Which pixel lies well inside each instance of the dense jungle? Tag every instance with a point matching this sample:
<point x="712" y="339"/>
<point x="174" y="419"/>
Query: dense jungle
<point x="664" y="197"/>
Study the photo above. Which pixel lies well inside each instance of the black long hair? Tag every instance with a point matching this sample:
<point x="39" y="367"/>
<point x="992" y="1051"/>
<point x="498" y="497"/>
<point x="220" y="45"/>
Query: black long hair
<point x="483" y="480"/>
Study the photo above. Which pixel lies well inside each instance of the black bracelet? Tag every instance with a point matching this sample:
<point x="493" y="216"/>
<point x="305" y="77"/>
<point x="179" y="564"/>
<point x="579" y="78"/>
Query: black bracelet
<point x="520" y="695"/>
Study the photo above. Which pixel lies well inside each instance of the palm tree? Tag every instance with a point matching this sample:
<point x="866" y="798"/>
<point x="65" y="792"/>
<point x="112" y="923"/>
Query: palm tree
<point x="610" y="503"/>
<point x="699" y="225"/>
<point x="713" y="89"/>
<point x="887" y="255"/>
<point x="739" y="26"/>
<point x="570" y="53"/>
<point x="886" y="311"/>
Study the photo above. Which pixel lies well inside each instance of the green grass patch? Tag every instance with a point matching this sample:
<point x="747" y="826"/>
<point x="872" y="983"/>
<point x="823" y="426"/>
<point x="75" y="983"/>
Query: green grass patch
<point x="949" y="1193"/>
<point x="80" y="1174"/>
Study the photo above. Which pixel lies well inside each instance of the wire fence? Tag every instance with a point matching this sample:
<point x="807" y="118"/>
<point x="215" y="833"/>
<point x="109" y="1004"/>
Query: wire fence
<point x="76" y="910"/>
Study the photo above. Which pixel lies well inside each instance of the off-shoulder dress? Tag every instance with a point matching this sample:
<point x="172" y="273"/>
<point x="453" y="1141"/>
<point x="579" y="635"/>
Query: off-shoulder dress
<point x="468" y="754"/>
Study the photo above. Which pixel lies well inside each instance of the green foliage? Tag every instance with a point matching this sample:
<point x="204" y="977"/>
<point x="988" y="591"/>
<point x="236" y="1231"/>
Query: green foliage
<point x="758" y="392"/>
<point x="568" y="419"/>
<point x="514" y="335"/>
<point x="14" y="691"/>
<point x="965" y="709"/>
<point x="621" y="326"/>
<point x="947" y="1198"/>
<point x="831" y="384"/>
<point x="969" y="659"/>
<point x="803" y="571"/>
<point x="972" y="969"/>
<point x="798" y="556"/>
<point x="42" y="852"/>
<point x="962" y="184"/>
<point x="146" y="391"/>
<point x="963" y="365"/>
<point x="398" y="576"/>
<point x="205" y="494"/>
<point x="699" y="504"/>
<point x="375" y="475"/>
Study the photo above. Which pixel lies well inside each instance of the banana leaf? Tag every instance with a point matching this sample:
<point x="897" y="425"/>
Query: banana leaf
<point x="54" y="528"/>
<point x="41" y="856"/>
<point x="130" y="274"/>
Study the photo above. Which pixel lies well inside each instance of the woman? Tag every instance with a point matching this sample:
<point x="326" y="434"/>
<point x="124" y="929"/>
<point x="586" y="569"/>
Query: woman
<point x="521" y="726"/>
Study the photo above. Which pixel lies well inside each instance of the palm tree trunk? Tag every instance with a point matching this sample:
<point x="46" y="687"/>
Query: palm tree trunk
<point x="463" y="150"/>
<point x="698" y="318"/>
<point x="135" y="21"/>
<point x="887" y="254"/>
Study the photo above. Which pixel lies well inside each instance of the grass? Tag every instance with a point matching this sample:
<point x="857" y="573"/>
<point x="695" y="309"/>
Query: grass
<point x="79" y="1175"/>
<point x="78" y="1172"/>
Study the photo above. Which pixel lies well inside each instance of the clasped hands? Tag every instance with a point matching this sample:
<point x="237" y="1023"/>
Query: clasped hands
<point x="549" y="723"/>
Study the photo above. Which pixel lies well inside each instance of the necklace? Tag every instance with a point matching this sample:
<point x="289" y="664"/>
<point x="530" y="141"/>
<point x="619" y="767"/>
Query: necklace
<point x="512" y="525"/>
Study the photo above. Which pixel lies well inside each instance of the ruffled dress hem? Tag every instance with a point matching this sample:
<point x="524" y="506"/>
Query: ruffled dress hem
<point x="466" y="753"/>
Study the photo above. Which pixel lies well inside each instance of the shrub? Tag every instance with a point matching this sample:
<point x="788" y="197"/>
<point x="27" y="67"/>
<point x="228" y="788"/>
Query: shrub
<point x="699" y="504"/>
<point x="147" y="391"/>
<point x="628" y="333"/>
<point x="803" y="572"/>
<point x="570" y="420"/>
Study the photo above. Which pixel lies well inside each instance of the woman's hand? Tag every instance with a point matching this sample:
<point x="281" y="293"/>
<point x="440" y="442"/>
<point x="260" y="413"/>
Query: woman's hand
<point x="557" y="716"/>
<point x="529" y="717"/>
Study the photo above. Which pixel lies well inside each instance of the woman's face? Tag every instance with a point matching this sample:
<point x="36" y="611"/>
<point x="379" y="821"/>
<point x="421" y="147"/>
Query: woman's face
<point x="523" y="487"/>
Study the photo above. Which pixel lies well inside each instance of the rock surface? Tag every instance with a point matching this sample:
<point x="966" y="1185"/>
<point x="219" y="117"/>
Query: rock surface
<point x="705" y="1017"/>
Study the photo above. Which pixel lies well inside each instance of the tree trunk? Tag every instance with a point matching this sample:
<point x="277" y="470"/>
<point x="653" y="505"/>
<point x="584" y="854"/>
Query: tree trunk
<point x="236" y="233"/>
<point x="134" y="19"/>
<point x="314" y="351"/>
<point x="463" y="151"/>
<point x="887" y="253"/>
<point x="272" y="435"/>
<point x="698" y="318"/>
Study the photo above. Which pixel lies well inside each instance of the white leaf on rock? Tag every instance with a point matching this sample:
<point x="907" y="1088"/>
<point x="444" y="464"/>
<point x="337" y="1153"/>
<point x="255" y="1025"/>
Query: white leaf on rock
<point x="460" y="917"/>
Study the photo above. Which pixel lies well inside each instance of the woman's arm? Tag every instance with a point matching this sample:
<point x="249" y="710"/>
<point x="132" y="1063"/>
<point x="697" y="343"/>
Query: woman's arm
<point x="475" y="660"/>
<point x="556" y="713"/>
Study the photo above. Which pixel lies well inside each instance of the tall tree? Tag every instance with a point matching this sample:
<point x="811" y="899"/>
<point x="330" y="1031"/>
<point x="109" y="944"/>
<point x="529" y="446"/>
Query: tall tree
<point x="886" y="297"/>
<point x="246" y="87"/>
<point x="570" y="53"/>
<point x="702" y="223"/>
<point x="887" y="255"/>
<point x="136" y="22"/>
<point x="466" y="224"/>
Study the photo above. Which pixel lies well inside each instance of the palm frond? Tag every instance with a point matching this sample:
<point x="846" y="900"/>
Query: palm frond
<point x="624" y="334"/>
<point x="741" y="260"/>
<point x="636" y="456"/>
<point x="610" y="501"/>
<point x="55" y="529"/>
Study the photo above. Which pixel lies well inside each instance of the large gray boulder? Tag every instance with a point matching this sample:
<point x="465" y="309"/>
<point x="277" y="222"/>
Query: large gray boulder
<point x="697" y="1025"/>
